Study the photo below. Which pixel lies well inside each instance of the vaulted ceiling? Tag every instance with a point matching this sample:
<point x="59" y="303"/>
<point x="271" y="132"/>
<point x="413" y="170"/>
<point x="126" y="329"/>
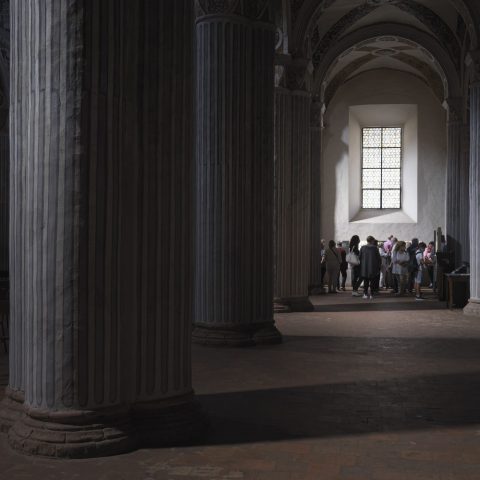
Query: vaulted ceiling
<point x="343" y="38"/>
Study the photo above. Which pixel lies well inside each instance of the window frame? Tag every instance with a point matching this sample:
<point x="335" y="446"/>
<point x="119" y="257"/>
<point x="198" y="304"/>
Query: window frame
<point x="362" y="168"/>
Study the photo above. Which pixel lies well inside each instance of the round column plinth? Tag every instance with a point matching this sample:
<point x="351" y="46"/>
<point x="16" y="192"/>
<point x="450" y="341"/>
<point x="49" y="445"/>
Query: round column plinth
<point x="172" y="422"/>
<point x="472" y="308"/>
<point x="11" y="408"/>
<point x="281" y="308"/>
<point x="72" y="433"/>
<point x="237" y="336"/>
<point x="267" y="335"/>
<point x="296" y="304"/>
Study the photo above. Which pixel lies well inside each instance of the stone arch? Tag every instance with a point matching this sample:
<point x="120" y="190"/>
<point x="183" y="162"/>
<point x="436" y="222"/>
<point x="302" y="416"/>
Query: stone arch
<point x="424" y="40"/>
<point x="310" y="10"/>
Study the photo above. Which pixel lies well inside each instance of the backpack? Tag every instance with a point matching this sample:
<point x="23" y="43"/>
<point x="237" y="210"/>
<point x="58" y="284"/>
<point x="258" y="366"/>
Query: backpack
<point x="412" y="263"/>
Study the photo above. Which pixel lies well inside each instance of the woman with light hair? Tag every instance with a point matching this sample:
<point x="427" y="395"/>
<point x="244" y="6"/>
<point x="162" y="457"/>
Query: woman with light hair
<point x="400" y="261"/>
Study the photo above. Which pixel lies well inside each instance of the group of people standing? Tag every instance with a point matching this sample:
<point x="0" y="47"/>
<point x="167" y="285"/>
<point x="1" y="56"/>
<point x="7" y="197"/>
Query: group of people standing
<point x="393" y="264"/>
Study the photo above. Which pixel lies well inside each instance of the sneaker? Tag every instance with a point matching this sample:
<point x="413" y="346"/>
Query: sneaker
<point x="419" y="298"/>
<point x="356" y="294"/>
<point x="365" y="297"/>
<point x="343" y="289"/>
<point x="371" y="297"/>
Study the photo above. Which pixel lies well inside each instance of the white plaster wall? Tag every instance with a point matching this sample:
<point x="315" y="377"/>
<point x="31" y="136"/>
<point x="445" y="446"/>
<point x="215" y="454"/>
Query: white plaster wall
<point x="383" y="87"/>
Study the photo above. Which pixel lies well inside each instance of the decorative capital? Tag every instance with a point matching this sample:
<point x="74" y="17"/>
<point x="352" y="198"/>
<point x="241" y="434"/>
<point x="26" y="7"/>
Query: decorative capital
<point x="252" y="9"/>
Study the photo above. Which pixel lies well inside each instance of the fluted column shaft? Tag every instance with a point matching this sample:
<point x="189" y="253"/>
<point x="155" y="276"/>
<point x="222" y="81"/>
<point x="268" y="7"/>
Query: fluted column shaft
<point x="4" y="200"/>
<point x="473" y="307"/>
<point x="102" y="200"/>
<point x="234" y="257"/>
<point x="292" y="198"/>
<point x="316" y="196"/>
<point x="457" y="191"/>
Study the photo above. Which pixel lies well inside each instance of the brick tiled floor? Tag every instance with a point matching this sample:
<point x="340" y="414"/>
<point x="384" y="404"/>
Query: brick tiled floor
<point x="381" y="390"/>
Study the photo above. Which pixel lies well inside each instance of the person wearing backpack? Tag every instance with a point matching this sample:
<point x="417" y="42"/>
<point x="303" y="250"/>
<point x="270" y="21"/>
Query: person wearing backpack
<point x="370" y="263"/>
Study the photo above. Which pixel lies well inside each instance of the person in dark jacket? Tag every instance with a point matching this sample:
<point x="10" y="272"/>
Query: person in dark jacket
<point x="343" y="266"/>
<point x="370" y="264"/>
<point x="412" y="267"/>
<point x="356" y="280"/>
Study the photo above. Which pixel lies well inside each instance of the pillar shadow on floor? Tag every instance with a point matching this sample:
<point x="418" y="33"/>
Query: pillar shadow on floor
<point x="404" y="401"/>
<point x="396" y="405"/>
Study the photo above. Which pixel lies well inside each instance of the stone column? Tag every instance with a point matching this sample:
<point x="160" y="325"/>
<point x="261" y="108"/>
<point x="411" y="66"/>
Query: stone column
<point x="4" y="135"/>
<point x="159" y="225"/>
<point x="11" y="406"/>
<point x="102" y="180"/>
<point x="4" y="200"/>
<point x="473" y="307"/>
<point x="11" y="253"/>
<point x="457" y="185"/>
<point x="234" y="279"/>
<point x="315" y="282"/>
<point x="292" y="198"/>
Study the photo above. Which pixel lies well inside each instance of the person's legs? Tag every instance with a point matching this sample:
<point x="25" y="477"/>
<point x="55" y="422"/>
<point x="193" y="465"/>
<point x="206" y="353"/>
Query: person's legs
<point x="332" y="279"/>
<point x="398" y="279"/>
<point x="344" y="278"/>
<point x="382" y="277"/>
<point x="366" y="286"/>
<point x="337" y="277"/>
<point x="430" y="273"/>
<point x="418" y="285"/>
<point x="402" y="283"/>
<point x="395" y="285"/>
<point x="355" y="280"/>
<point x="411" y="283"/>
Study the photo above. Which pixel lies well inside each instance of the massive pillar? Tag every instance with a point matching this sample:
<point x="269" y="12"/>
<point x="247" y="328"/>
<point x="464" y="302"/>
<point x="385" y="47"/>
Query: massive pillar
<point x="101" y="132"/>
<point x="234" y="279"/>
<point x="4" y="140"/>
<point x="292" y="198"/>
<point x="315" y="282"/>
<point x="159" y="224"/>
<point x="4" y="198"/>
<point x="457" y="185"/>
<point x="473" y="307"/>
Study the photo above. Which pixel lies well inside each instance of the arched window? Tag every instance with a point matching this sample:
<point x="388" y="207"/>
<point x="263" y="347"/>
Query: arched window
<point x="381" y="167"/>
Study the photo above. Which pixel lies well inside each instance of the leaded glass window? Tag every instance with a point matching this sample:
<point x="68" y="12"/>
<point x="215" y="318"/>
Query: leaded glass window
<point x="381" y="167"/>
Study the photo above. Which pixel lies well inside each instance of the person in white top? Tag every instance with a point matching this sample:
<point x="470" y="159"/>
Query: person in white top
<point x="400" y="259"/>
<point x="383" y="268"/>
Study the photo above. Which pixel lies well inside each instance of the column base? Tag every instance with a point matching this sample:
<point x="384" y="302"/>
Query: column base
<point x="296" y="304"/>
<point x="172" y="422"/>
<point x="235" y="336"/>
<point x="267" y="335"/>
<point x="72" y="434"/>
<point x="281" y="308"/>
<point x="11" y="408"/>
<point x="472" y="308"/>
